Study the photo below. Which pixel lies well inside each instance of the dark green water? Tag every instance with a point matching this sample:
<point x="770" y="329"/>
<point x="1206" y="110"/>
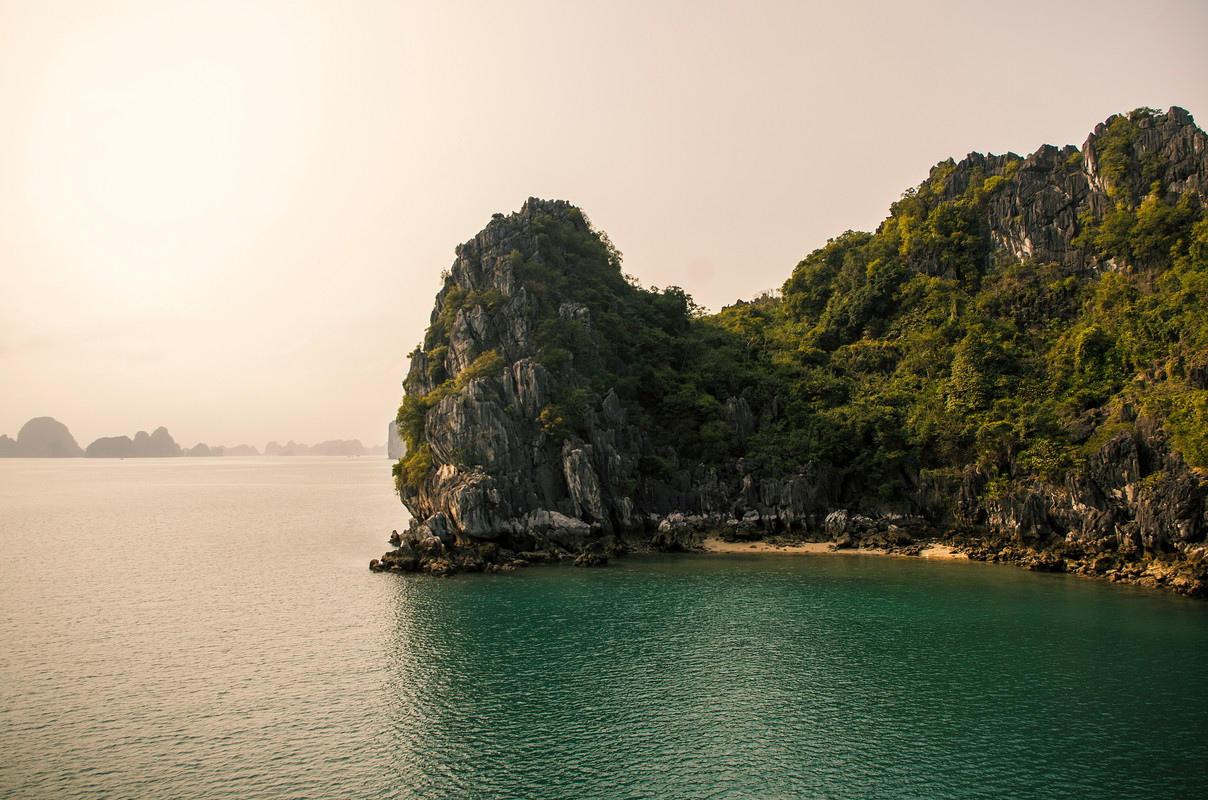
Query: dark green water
<point x="799" y="677"/>
<point x="208" y="628"/>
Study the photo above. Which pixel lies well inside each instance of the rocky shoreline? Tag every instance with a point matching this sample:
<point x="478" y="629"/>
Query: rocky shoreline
<point x="1182" y="573"/>
<point x="1134" y="514"/>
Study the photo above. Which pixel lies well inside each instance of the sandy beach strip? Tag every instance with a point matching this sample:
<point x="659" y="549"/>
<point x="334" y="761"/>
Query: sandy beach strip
<point x="941" y="551"/>
<point x="715" y="545"/>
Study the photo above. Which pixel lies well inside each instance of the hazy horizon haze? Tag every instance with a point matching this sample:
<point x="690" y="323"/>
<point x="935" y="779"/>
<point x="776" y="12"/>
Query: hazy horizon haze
<point x="230" y="218"/>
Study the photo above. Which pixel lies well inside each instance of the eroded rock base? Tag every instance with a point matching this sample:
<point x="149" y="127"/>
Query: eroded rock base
<point x="1184" y="573"/>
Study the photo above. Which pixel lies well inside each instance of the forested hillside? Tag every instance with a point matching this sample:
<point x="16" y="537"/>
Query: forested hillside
<point x="929" y="345"/>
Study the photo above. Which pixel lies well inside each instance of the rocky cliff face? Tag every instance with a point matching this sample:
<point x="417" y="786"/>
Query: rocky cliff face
<point x="1039" y="213"/>
<point x="493" y="476"/>
<point x="1135" y="513"/>
<point x="497" y="471"/>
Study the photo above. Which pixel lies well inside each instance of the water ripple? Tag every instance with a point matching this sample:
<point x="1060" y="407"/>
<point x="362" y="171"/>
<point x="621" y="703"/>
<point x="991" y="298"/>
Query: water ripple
<point x="184" y="629"/>
<point x="677" y="679"/>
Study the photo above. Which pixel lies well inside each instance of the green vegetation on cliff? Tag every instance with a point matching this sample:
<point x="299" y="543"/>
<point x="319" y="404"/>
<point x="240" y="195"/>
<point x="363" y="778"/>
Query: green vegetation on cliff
<point x="926" y="346"/>
<point x="920" y="347"/>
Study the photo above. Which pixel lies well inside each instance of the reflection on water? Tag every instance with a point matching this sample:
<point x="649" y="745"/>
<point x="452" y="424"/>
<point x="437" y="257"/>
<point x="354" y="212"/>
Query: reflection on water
<point x="414" y="670"/>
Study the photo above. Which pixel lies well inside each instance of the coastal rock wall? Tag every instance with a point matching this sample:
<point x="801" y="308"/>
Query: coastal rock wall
<point x="1136" y="513"/>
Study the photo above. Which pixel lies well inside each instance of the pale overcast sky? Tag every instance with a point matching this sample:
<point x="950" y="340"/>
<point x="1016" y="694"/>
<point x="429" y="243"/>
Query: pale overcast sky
<point x="229" y="217"/>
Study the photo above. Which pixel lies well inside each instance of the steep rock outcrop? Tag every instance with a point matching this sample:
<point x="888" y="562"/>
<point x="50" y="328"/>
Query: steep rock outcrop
<point x="1039" y="212"/>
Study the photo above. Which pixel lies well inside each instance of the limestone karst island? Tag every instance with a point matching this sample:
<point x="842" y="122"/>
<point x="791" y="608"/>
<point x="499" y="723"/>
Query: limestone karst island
<point x="46" y="437"/>
<point x="1015" y="365"/>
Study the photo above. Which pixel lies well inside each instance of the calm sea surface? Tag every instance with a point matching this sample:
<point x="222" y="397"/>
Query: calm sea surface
<point x="186" y="628"/>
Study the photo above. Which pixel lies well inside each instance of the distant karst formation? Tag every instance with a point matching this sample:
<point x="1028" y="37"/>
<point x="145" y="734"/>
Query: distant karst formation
<point x="1015" y="362"/>
<point x="334" y="447"/>
<point x="41" y="437"/>
<point x="157" y="445"/>
<point x="44" y="437"/>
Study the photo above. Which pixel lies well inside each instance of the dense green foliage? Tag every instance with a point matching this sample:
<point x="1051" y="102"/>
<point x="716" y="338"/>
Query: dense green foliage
<point x="910" y="349"/>
<point x="640" y="344"/>
<point x="914" y="348"/>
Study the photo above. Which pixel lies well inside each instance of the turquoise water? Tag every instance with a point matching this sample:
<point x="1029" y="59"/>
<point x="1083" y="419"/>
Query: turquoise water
<point x="193" y="628"/>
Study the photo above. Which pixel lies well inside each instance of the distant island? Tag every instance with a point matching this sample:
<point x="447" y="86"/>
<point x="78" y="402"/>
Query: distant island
<point x="335" y="447"/>
<point x="46" y="437"/>
<point x="156" y="445"/>
<point x="41" y="437"/>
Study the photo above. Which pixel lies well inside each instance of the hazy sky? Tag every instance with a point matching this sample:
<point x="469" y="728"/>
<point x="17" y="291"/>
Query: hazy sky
<point x="230" y="218"/>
